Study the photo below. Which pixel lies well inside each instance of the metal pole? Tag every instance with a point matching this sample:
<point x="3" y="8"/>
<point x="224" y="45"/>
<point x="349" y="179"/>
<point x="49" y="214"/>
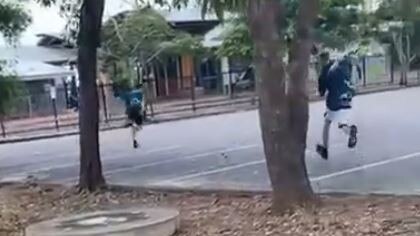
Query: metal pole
<point x="104" y="103"/>
<point x="54" y="104"/>
<point x="364" y="71"/>
<point x="29" y="100"/>
<point x="53" y="95"/>
<point x="193" y="93"/>
<point x="3" y="128"/>
<point x="230" y="85"/>
<point x="392" y="70"/>
<point x="66" y="94"/>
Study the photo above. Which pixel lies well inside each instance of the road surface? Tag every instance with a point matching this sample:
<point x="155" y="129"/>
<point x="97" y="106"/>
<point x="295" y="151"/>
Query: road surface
<point x="225" y="152"/>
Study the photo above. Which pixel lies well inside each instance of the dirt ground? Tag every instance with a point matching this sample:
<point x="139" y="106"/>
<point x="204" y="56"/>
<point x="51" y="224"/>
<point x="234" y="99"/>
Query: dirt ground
<point x="202" y="215"/>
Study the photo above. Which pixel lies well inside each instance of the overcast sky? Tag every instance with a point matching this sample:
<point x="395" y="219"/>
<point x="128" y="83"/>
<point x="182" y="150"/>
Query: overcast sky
<point x="47" y="20"/>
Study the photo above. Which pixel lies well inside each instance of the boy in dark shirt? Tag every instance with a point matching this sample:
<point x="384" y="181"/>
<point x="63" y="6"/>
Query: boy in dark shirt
<point x="134" y="106"/>
<point x="336" y="81"/>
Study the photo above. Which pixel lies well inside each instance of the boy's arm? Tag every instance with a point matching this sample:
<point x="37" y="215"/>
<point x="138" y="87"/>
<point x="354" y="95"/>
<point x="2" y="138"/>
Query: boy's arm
<point x="322" y="81"/>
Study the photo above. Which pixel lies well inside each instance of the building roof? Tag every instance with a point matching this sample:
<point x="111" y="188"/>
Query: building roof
<point x="35" y="70"/>
<point x="36" y="53"/>
<point x="186" y="15"/>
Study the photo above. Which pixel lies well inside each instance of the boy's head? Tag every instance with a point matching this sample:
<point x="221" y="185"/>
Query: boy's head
<point x="324" y="57"/>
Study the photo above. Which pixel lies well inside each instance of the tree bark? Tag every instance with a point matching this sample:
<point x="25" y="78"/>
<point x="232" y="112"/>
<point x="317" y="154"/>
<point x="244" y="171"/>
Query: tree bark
<point x="283" y="99"/>
<point x="91" y="177"/>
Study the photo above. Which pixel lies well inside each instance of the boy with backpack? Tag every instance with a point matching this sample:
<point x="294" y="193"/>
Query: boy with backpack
<point x="134" y="110"/>
<point x="336" y="81"/>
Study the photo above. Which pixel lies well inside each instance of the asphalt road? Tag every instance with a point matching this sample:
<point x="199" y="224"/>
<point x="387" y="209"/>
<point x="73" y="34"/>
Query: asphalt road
<point x="225" y="152"/>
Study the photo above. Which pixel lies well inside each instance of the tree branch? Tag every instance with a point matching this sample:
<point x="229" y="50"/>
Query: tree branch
<point x="117" y="29"/>
<point x="301" y="46"/>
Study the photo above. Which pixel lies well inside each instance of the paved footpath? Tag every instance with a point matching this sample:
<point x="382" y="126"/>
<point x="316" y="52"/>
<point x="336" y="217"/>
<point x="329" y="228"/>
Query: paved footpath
<point x="225" y="152"/>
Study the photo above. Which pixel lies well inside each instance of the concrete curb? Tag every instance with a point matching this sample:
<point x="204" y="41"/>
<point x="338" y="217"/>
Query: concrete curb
<point x="232" y="192"/>
<point x="192" y="116"/>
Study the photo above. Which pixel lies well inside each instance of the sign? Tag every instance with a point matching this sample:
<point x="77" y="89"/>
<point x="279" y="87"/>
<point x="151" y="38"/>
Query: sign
<point x="53" y="92"/>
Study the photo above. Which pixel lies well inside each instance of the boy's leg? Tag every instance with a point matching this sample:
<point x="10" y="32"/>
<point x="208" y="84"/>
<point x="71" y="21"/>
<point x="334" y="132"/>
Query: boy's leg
<point x="345" y="124"/>
<point x="326" y="133"/>
<point x="134" y="131"/>
<point x="323" y="149"/>
<point x="351" y="131"/>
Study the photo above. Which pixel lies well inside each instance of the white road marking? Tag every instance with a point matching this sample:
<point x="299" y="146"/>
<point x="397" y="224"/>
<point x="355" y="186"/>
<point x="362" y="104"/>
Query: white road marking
<point x="365" y="167"/>
<point x="67" y="165"/>
<point x="210" y="172"/>
<point x="200" y="155"/>
<point x="195" y="156"/>
<point x="313" y="179"/>
<point x="220" y="170"/>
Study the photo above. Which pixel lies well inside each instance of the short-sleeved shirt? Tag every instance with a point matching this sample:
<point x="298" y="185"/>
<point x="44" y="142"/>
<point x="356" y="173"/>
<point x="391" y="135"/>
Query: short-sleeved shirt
<point x="339" y="86"/>
<point x="133" y="99"/>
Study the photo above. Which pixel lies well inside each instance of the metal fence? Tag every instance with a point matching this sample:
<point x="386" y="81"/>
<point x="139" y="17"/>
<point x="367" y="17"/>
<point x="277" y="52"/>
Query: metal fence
<point x="37" y="113"/>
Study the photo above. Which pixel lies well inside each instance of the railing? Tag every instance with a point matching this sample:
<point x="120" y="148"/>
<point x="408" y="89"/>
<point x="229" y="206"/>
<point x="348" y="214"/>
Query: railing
<point x="211" y="95"/>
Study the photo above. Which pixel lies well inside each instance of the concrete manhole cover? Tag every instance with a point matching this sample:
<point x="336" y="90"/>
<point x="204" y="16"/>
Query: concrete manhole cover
<point x="143" y="221"/>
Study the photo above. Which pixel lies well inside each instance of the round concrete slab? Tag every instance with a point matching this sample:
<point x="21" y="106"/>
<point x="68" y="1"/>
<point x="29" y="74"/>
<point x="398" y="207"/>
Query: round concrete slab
<point x="139" y="221"/>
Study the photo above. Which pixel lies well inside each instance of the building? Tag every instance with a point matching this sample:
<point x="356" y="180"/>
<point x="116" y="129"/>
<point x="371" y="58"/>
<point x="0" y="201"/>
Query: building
<point x="41" y="70"/>
<point x="203" y="72"/>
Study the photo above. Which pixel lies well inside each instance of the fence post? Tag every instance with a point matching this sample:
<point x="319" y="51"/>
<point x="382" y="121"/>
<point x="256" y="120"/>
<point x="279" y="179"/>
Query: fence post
<point x="104" y="103"/>
<point x="29" y="101"/>
<point x="66" y="95"/>
<point x="364" y="71"/>
<point x="418" y="75"/>
<point x="3" y="128"/>
<point x="193" y="93"/>
<point x="230" y="85"/>
<point x="392" y="70"/>
<point x="53" y="96"/>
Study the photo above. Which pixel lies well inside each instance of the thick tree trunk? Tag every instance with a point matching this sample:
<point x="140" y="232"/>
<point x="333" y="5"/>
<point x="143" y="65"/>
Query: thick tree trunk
<point x="91" y="176"/>
<point x="283" y="100"/>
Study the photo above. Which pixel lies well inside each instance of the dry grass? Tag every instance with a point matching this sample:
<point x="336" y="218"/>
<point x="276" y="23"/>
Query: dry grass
<point x="23" y="204"/>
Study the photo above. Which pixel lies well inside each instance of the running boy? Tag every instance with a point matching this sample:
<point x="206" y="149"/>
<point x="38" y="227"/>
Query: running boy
<point x="336" y="80"/>
<point x="134" y="106"/>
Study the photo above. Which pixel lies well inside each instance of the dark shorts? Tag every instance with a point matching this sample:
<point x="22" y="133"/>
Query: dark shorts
<point x="135" y="115"/>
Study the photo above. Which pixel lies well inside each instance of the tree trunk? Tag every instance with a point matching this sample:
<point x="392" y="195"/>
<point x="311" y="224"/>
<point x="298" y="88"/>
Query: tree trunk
<point x="403" y="55"/>
<point x="404" y="74"/>
<point x="283" y="102"/>
<point x="91" y="177"/>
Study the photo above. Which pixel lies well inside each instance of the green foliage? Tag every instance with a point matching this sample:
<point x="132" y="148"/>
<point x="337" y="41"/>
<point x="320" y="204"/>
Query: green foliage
<point x="183" y="43"/>
<point x="237" y="41"/>
<point x="132" y="35"/>
<point x="10" y="91"/>
<point x="122" y="77"/>
<point x="142" y="36"/>
<point x="142" y="30"/>
<point x="340" y="22"/>
<point x="397" y="22"/>
<point x="13" y="20"/>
